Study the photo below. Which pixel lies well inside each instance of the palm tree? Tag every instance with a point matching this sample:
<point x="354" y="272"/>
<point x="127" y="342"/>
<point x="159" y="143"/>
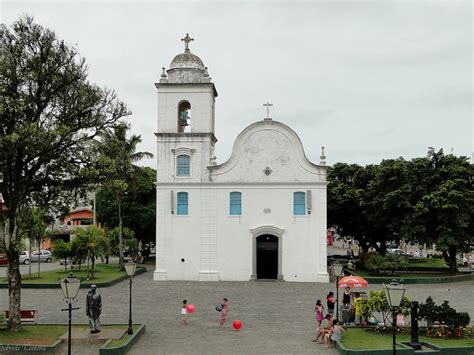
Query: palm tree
<point x="89" y="240"/>
<point x="118" y="154"/>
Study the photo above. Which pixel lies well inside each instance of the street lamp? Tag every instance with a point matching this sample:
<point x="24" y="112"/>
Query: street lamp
<point x="70" y="287"/>
<point x="394" y="292"/>
<point x="337" y="271"/>
<point x="130" y="267"/>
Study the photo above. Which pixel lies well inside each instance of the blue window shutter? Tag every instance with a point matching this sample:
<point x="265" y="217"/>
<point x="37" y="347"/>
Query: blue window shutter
<point x="182" y="205"/>
<point x="235" y="201"/>
<point x="183" y="163"/>
<point x="299" y="203"/>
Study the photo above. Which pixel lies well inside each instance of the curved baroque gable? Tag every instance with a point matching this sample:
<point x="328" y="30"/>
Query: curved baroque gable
<point x="268" y="151"/>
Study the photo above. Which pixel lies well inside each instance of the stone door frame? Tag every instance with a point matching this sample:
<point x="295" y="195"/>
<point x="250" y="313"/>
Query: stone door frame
<point x="262" y="230"/>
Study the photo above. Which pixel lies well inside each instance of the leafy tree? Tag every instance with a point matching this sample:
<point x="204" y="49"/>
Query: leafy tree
<point x="49" y="115"/>
<point x="443" y="204"/>
<point x="62" y="250"/>
<point x="347" y="183"/>
<point x="377" y="302"/>
<point x="32" y="225"/>
<point x="129" y="239"/>
<point x="106" y="247"/>
<point x="386" y="202"/>
<point x="90" y="240"/>
<point x="118" y="154"/>
<point x="138" y="205"/>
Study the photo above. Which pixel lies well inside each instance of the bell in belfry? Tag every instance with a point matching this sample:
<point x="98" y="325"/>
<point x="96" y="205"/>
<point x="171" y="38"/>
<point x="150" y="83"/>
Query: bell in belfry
<point x="183" y="118"/>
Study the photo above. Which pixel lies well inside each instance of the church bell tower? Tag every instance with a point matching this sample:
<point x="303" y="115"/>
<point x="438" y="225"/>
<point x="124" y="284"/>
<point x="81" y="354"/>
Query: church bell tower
<point x="186" y="120"/>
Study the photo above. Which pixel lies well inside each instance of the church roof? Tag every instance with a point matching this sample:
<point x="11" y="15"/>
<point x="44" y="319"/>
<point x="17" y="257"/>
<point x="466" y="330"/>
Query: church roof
<point x="187" y="60"/>
<point x="186" y="68"/>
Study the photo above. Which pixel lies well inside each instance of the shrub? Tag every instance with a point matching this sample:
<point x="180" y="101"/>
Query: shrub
<point x="444" y="314"/>
<point x="377" y="302"/>
<point x="389" y="262"/>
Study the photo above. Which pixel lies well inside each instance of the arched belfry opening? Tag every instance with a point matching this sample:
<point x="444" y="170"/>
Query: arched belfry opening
<point x="184" y="117"/>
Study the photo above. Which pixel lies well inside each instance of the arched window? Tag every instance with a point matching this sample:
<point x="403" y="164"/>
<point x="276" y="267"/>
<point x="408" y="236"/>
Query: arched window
<point x="299" y="203"/>
<point x="182" y="205"/>
<point x="183" y="163"/>
<point x="235" y="203"/>
<point x="184" y="117"/>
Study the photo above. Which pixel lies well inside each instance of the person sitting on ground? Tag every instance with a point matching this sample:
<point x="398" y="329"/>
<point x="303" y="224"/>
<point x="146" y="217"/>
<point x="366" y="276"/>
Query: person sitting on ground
<point x="323" y="329"/>
<point x="335" y="335"/>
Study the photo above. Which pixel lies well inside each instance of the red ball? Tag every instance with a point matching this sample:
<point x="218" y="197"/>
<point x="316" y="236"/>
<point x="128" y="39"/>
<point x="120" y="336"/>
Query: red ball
<point x="237" y="324"/>
<point x="190" y="308"/>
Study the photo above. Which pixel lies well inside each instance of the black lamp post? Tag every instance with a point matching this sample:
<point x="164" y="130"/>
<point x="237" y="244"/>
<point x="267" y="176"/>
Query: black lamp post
<point x="394" y="292"/>
<point x="337" y="271"/>
<point x="70" y="287"/>
<point x="415" y="341"/>
<point x="130" y="267"/>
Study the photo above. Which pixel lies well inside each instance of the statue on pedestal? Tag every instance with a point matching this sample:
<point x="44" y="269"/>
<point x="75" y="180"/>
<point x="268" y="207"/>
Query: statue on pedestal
<point x="94" y="309"/>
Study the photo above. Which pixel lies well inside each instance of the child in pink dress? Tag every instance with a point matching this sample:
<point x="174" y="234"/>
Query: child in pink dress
<point x="224" y="313"/>
<point x="319" y="309"/>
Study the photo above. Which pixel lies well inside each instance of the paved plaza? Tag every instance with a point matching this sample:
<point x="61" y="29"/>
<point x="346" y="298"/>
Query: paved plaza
<point x="278" y="317"/>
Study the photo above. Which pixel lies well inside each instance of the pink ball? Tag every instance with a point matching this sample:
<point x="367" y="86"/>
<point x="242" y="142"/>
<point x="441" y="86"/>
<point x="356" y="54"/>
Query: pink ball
<point x="190" y="308"/>
<point x="237" y="324"/>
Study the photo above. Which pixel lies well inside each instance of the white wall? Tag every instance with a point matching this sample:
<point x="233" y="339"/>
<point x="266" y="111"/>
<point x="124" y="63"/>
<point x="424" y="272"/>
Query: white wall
<point x="216" y="244"/>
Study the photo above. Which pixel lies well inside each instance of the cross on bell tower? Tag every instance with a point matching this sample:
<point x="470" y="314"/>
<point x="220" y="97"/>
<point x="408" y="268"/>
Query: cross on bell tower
<point x="186" y="41"/>
<point x="268" y="104"/>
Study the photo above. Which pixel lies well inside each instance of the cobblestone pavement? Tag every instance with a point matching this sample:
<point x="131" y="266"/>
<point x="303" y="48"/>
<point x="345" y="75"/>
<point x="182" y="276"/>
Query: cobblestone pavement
<point x="277" y="317"/>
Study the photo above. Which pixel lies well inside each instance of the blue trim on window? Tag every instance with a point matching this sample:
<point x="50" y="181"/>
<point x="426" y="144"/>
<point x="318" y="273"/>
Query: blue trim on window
<point x="183" y="163"/>
<point x="235" y="203"/>
<point x="299" y="203"/>
<point x="182" y="204"/>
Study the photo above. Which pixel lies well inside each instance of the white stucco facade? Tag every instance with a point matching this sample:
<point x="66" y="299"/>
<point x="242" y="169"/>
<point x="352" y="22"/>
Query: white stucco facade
<point x="264" y="233"/>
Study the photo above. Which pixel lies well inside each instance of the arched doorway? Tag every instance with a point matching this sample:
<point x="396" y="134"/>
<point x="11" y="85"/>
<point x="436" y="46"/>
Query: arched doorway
<point x="266" y="247"/>
<point x="267" y="257"/>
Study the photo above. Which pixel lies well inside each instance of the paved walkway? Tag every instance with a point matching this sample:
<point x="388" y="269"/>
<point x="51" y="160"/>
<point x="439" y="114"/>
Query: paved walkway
<point x="277" y="317"/>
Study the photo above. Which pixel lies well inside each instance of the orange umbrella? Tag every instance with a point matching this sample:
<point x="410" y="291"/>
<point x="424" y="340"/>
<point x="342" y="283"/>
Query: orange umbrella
<point x="352" y="281"/>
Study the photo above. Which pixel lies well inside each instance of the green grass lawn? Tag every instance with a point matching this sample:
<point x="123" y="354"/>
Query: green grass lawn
<point x="33" y="334"/>
<point x="427" y="262"/>
<point x="119" y="342"/>
<point x="359" y="338"/>
<point x="103" y="273"/>
<point x="37" y="334"/>
<point x="363" y="273"/>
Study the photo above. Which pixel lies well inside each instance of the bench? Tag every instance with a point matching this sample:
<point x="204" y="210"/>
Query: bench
<point x="26" y="316"/>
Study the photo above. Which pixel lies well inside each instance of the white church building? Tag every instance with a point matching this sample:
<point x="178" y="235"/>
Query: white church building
<point x="259" y="215"/>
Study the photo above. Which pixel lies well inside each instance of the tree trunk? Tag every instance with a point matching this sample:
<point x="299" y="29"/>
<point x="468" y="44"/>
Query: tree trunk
<point x="117" y="197"/>
<point x="14" y="291"/>
<point x="93" y="266"/>
<point x="88" y="268"/>
<point x="29" y="264"/>
<point x="12" y="241"/>
<point x="39" y="259"/>
<point x="453" y="264"/>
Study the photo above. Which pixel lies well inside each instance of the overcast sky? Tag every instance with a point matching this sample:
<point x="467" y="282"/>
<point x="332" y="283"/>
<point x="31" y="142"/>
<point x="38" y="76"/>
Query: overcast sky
<point x="367" y="80"/>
